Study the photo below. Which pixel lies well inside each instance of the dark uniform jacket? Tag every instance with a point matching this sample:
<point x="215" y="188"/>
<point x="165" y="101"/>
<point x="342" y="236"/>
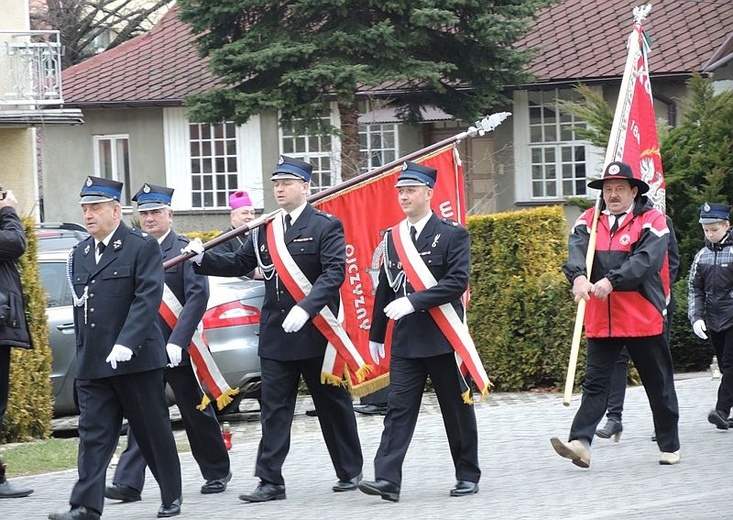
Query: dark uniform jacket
<point x="191" y="290"/>
<point x="711" y="285"/>
<point x="444" y="245"/>
<point x="13" y="328"/>
<point x="124" y="294"/>
<point x="316" y="243"/>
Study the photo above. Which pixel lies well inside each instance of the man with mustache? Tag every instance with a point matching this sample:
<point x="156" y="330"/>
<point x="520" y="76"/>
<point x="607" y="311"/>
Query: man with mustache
<point x="626" y="307"/>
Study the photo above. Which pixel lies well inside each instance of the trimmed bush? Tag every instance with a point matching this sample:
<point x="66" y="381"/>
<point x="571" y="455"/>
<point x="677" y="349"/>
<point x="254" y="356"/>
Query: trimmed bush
<point x="29" y="406"/>
<point x="521" y="312"/>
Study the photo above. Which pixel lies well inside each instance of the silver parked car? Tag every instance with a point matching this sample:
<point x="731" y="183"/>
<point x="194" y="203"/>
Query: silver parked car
<point x="231" y="326"/>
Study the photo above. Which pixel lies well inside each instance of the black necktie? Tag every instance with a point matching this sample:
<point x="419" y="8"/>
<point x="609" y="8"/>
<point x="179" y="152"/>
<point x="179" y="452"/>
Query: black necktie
<point x="288" y="220"/>
<point x="614" y="227"/>
<point x="413" y="234"/>
<point x="100" y="248"/>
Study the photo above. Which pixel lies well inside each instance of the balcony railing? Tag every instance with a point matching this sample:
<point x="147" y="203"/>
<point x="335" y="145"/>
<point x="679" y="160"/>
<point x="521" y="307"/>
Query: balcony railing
<point x="30" y="68"/>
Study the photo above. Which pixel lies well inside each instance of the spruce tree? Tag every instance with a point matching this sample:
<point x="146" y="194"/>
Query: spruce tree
<point x="296" y="56"/>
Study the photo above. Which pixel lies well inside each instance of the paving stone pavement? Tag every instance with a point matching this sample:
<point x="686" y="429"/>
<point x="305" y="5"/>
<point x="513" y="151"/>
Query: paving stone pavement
<point x="522" y="478"/>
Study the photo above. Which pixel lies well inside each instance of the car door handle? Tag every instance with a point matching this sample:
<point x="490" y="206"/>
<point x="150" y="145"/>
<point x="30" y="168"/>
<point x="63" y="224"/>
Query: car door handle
<point x="65" y="327"/>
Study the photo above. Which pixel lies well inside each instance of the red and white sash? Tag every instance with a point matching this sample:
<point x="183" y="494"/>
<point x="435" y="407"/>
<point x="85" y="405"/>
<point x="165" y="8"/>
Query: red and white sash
<point x="212" y="383"/>
<point x="299" y="287"/>
<point x="445" y="316"/>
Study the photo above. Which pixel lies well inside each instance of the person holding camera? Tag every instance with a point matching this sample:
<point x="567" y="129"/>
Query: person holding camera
<point x="13" y="327"/>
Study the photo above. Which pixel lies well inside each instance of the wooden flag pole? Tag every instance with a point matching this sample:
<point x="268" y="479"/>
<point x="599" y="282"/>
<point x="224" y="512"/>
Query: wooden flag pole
<point x="612" y="154"/>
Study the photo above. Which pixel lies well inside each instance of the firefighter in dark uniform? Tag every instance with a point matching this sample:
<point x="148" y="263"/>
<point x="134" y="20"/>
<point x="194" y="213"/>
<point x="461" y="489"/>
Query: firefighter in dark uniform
<point x="192" y="292"/>
<point x="117" y="278"/>
<point x="419" y="347"/>
<point x="290" y="344"/>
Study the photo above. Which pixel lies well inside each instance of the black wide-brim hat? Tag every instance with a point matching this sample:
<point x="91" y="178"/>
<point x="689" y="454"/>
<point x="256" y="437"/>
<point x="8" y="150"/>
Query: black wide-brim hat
<point x="618" y="171"/>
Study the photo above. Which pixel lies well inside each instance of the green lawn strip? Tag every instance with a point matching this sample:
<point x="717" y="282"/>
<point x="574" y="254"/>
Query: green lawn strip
<point x="32" y="458"/>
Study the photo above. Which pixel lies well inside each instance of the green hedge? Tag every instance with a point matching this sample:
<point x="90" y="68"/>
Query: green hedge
<point x="521" y="312"/>
<point x="29" y="406"/>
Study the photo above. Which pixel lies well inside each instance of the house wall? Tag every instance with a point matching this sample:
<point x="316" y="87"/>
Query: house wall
<point x="68" y="157"/>
<point x="17" y="164"/>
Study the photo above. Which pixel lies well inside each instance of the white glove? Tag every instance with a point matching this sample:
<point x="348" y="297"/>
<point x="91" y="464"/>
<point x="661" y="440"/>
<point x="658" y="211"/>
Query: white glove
<point x="399" y="308"/>
<point x="174" y="354"/>
<point x="377" y="351"/>
<point x="699" y="328"/>
<point x="195" y="246"/>
<point x="295" y="319"/>
<point x="118" y="354"/>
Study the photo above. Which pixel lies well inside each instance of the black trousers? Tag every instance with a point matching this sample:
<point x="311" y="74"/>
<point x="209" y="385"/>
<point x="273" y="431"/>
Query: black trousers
<point x="652" y="359"/>
<point x="407" y="384"/>
<point x="335" y="415"/>
<point x="617" y="391"/>
<point x="202" y="430"/>
<point x="102" y="404"/>
<point x="723" y="345"/>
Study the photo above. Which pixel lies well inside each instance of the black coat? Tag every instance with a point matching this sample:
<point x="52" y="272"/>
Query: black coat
<point x="13" y="327"/>
<point x="125" y="290"/>
<point x="191" y="290"/>
<point x="316" y="243"/>
<point x="445" y="247"/>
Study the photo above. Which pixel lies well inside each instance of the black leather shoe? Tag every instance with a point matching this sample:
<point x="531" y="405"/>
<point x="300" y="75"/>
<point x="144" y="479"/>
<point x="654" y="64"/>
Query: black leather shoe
<point x="265" y="492"/>
<point x="372" y="409"/>
<point x="348" y="485"/>
<point x="8" y="490"/>
<point x="124" y="493"/>
<point x="218" y="485"/>
<point x="463" y="488"/>
<point x="719" y="419"/>
<point x="383" y="488"/>
<point x="613" y="428"/>
<point x="172" y="509"/>
<point x="77" y="513"/>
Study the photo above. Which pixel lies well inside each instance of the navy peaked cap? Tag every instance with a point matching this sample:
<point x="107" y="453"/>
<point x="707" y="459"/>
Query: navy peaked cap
<point x="98" y="189"/>
<point x="151" y="197"/>
<point x="711" y="212"/>
<point x="414" y="174"/>
<point x="292" y="168"/>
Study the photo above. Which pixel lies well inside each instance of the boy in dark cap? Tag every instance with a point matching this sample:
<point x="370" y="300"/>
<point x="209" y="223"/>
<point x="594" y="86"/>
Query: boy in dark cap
<point x="710" y="305"/>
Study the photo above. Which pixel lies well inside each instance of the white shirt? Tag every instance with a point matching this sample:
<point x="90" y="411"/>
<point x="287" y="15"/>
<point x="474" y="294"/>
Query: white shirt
<point x="420" y="224"/>
<point x="106" y="240"/>
<point x="295" y="213"/>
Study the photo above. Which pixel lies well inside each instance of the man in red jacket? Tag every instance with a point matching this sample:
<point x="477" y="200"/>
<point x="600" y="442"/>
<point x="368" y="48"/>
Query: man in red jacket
<point x="626" y="307"/>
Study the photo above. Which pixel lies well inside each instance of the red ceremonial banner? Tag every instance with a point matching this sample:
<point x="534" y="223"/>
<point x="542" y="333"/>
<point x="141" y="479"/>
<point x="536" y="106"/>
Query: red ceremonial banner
<point x="638" y="143"/>
<point x="367" y="210"/>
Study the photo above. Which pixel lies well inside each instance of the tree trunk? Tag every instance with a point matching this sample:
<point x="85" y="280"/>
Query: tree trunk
<point x="350" y="157"/>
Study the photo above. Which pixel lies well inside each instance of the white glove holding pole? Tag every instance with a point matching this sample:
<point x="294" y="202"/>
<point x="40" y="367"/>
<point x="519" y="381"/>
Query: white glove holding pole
<point x="175" y="353"/>
<point x="377" y="351"/>
<point x="118" y="354"/>
<point x="399" y="308"/>
<point x="295" y="319"/>
<point x="700" y="328"/>
<point x="195" y="246"/>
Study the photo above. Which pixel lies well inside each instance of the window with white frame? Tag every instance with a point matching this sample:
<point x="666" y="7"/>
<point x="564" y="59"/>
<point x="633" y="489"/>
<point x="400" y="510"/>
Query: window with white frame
<point x="112" y="161"/>
<point x="555" y="163"/>
<point x="214" y="164"/>
<point x="316" y="149"/>
<point x="378" y="144"/>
